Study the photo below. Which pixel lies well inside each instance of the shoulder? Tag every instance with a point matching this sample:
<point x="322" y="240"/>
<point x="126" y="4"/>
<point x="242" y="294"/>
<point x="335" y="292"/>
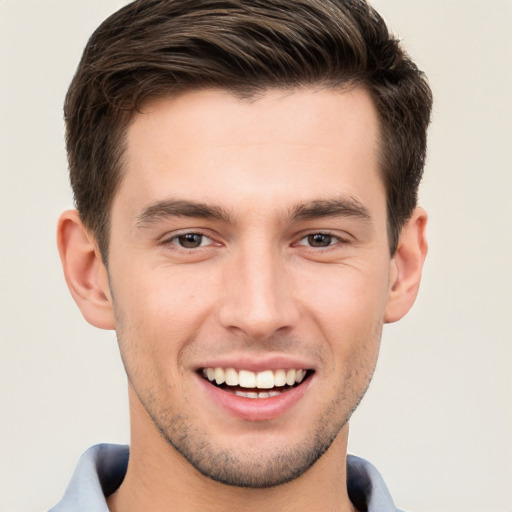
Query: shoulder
<point x="99" y="472"/>
<point x="366" y="487"/>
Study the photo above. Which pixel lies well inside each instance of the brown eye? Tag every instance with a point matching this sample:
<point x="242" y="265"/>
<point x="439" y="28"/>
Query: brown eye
<point x="319" y="240"/>
<point x="190" y="240"/>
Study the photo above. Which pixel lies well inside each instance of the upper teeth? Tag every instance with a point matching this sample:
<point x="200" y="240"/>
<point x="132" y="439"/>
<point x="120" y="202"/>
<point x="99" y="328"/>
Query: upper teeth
<point x="247" y="379"/>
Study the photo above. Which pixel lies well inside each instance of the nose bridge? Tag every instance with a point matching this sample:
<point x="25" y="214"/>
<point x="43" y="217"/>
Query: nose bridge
<point x="258" y="298"/>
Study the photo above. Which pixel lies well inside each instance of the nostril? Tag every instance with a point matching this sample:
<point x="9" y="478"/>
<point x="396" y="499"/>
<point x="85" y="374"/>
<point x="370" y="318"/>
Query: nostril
<point x="259" y="310"/>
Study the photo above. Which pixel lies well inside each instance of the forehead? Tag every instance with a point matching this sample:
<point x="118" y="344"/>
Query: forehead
<point x="279" y="148"/>
<point x="296" y="116"/>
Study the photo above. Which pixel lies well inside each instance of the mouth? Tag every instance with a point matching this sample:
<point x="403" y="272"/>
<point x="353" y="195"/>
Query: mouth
<point x="256" y="385"/>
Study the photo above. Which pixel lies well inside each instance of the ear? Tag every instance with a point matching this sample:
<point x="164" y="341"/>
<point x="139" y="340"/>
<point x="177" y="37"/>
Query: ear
<point x="406" y="266"/>
<point x="86" y="275"/>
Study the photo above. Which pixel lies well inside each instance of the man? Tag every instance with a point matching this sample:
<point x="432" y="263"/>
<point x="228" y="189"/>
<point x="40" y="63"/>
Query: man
<point x="245" y="174"/>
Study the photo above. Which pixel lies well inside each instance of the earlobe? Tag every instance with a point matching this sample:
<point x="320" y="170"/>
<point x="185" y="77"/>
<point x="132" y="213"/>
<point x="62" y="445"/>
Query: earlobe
<point x="85" y="273"/>
<point x="406" y="266"/>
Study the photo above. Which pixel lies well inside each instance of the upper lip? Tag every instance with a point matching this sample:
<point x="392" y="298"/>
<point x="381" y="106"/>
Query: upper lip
<point x="257" y="363"/>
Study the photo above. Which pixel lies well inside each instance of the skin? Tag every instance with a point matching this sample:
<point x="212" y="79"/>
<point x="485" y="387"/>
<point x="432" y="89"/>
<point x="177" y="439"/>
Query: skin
<point x="257" y="287"/>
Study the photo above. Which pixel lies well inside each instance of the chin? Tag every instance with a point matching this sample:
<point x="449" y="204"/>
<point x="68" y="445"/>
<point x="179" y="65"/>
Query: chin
<point x="260" y="462"/>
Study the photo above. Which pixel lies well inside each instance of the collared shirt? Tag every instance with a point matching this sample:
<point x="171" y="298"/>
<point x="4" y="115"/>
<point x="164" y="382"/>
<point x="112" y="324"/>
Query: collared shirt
<point x="102" y="468"/>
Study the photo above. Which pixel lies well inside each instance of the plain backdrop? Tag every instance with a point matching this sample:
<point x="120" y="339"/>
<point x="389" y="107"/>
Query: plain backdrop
<point x="437" y="420"/>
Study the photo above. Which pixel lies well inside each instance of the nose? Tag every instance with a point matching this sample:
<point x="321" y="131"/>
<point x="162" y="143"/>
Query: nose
<point x="258" y="294"/>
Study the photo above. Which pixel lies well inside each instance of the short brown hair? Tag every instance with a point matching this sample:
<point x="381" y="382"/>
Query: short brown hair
<point x="152" y="48"/>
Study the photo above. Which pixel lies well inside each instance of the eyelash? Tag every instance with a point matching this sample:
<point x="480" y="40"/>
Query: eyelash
<point x="174" y="240"/>
<point x="333" y="240"/>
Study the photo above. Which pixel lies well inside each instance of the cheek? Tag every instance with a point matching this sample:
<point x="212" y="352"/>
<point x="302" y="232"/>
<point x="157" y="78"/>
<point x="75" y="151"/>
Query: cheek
<point x="158" y="311"/>
<point x="348" y="297"/>
<point x="349" y="312"/>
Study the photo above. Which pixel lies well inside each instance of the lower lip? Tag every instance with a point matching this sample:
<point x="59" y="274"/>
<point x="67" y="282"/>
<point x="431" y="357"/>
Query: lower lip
<point x="256" y="409"/>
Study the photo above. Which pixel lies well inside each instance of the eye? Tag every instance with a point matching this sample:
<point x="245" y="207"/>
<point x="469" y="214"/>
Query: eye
<point x="319" y="240"/>
<point x="191" y="240"/>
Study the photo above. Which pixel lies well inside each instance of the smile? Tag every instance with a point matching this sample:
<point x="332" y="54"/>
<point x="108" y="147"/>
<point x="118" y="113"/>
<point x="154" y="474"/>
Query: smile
<point x="275" y="382"/>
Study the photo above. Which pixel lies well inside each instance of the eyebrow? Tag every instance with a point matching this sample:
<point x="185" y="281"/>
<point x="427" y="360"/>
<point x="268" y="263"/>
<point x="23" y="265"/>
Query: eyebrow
<point x="180" y="208"/>
<point x="338" y="207"/>
<point x="310" y="210"/>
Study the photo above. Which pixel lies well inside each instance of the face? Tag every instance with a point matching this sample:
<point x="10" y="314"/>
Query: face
<point x="249" y="269"/>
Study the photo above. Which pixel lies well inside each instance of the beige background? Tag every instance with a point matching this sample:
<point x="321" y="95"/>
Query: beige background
<point x="437" y="421"/>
